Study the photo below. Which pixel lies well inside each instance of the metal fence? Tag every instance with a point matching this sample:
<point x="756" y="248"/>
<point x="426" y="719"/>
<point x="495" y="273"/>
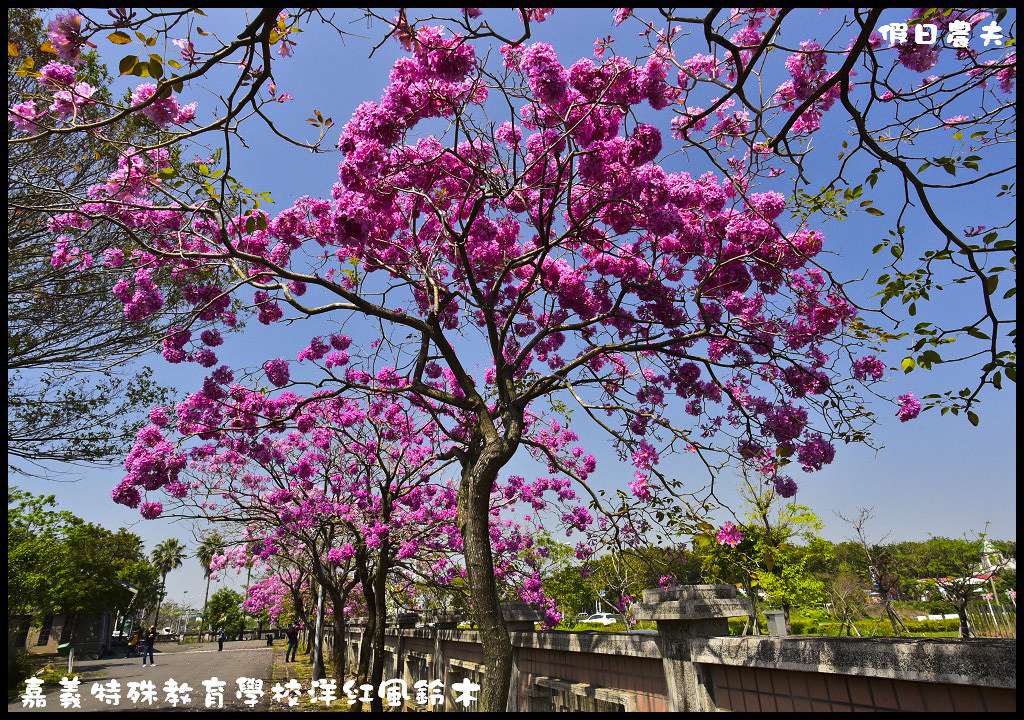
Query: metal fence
<point x="992" y="620"/>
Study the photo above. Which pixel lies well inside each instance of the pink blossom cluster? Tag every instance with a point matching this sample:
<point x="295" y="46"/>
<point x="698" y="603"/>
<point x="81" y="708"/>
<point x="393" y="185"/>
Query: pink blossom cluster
<point x="729" y="535"/>
<point x="164" y="110"/>
<point x="57" y="75"/>
<point x="868" y="367"/>
<point x="910" y="407"/>
<point x="807" y="68"/>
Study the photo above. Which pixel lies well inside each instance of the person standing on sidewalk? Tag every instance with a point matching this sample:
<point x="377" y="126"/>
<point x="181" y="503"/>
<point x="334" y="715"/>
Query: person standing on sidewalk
<point x="293" y="642"/>
<point x="220" y="639"/>
<point x="149" y="640"/>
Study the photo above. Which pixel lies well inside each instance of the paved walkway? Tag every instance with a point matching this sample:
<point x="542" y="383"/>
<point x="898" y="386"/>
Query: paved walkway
<point x="185" y="664"/>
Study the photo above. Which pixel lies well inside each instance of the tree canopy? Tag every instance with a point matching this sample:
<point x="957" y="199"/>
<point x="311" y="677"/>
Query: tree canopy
<point x="57" y="563"/>
<point x="517" y="252"/>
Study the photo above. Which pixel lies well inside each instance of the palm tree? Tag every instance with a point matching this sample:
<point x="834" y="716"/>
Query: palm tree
<point x="167" y="556"/>
<point x="210" y="546"/>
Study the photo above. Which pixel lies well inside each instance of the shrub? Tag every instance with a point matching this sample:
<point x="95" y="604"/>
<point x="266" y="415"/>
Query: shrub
<point x="19" y="667"/>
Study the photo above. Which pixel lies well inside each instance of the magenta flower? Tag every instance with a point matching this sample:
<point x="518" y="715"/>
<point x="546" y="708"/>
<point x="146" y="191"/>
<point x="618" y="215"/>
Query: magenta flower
<point x="868" y="366"/>
<point x="910" y="407"/>
<point x="65" y="34"/>
<point x="277" y="371"/>
<point x="151" y="510"/>
<point x="729" y="535"/>
<point x="56" y="75"/>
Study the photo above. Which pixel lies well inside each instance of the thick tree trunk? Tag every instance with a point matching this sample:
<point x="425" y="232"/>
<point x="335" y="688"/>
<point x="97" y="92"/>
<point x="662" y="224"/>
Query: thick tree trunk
<point x="377" y="669"/>
<point x="365" y="642"/>
<point x="339" y="656"/>
<point x="965" y="627"/>
<point x="474" y="522"/>
<point x="363" y="664"/>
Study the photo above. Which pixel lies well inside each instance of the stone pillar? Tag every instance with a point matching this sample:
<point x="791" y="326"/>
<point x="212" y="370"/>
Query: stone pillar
<point x="436" y="622"/>
<point x="776" y="622"/>
<point x="401" y="621"/>
<point x="354" y="626"/>
<point x="519" y="617"/>
<point x="682" y="614"/>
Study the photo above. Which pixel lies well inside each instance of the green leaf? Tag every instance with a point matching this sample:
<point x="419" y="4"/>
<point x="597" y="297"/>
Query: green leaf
<point x="156" y="69"/>
<point x="973" y="418"/>
<point x="127" y="64"/>
<point x="874" y="211"/>
<point x="991" y="284"/>
<point x="119" y="38"/>
<point x="908" y="364"/>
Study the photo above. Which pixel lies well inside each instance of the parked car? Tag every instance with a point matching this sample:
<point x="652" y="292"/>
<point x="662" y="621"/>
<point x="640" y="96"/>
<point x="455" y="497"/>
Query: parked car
<point x="602" y="619"/>
<point x="166" y="631"/>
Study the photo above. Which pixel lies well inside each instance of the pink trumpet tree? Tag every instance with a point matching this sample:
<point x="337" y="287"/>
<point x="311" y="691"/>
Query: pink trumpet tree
<point x="352" y="491"/>
<point x="535" y="254"/>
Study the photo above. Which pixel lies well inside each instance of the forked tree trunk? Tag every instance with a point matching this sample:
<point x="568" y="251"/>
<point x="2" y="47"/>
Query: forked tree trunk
<point x="894" y="619"/>
<point x="474" y="523"/>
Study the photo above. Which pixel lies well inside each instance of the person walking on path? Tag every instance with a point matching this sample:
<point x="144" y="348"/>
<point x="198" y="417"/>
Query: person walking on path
<point x="220" y="640"/>
<point x="293" y="642"/>
<point x="149" y="640"/>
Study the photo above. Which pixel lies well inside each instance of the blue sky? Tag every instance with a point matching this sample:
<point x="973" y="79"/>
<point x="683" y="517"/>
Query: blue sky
<point x="935" y="475"/>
